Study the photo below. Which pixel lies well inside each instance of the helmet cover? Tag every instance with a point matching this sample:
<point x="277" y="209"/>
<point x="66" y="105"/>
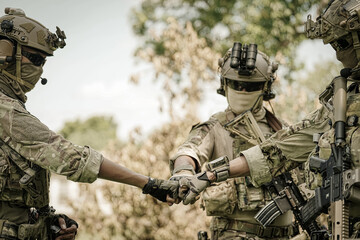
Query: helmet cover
<point x="16" y="26"/>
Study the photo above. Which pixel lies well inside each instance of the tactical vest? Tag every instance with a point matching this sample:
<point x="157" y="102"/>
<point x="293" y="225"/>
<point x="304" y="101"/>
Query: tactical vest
<point x="22" y="182"/>
<point x="224" y="198"/>
<point x="323" y="149"/>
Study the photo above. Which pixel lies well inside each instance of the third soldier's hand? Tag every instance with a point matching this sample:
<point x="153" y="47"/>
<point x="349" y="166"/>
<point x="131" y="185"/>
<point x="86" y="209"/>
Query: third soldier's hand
<point x="194" y="185"/>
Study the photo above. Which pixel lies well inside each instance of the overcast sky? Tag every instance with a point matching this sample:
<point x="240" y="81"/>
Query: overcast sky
<point x="90" y="76"/>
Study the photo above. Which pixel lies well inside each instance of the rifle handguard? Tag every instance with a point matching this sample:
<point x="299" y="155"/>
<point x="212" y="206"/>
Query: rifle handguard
<point x="220" y="167"/>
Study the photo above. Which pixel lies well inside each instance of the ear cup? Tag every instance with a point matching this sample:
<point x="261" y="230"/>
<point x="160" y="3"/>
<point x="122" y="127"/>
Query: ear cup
<point x="268" y="92"/>
<point x="221" y="89"/>
<point x="6" y="52"/>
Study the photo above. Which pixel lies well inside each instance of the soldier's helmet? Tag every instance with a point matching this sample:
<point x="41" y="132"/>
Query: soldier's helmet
<point x="244" y="64"/>
<point x="338" y="25"/>
<point x="15" y="25"/>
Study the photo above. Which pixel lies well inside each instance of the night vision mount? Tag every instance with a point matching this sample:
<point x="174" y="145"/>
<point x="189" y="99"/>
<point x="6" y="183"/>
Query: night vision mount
<point x="243" y="58"/>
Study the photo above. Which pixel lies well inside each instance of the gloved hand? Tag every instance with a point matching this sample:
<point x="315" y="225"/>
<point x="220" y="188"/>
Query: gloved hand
<point x="183" y="173"/>
<point x="63" y="227"/>
<point x="159" y="189"/>
<point x="176" y="177"/>
<point x="194" y="185"/>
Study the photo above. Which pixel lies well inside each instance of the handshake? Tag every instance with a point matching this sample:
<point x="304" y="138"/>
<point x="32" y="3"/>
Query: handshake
<point x="185" y="185"/>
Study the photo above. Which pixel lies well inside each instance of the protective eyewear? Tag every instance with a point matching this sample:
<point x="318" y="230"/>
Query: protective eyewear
<point x="35" y="58"/>
<point x="247" y="86"/>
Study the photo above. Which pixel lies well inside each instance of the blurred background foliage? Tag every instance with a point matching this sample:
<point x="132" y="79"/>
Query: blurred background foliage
<point x="96" y="131"/>
<point x="182" y="41"/>
<point x="275" y="25"/>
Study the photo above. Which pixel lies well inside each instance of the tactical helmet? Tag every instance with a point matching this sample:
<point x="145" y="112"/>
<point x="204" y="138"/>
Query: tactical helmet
<point x="18" y="32"/>
<point x="337" y="25"/>
<point x="25" y="31"/>
<point x="244" y="63"/>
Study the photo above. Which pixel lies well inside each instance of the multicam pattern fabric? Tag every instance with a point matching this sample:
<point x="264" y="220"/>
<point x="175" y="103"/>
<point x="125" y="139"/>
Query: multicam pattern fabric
<point x="233" y="198"/>
<point x="287" y="148"/>
<point x="292" y="146"/>
<point x="28" y="143"/>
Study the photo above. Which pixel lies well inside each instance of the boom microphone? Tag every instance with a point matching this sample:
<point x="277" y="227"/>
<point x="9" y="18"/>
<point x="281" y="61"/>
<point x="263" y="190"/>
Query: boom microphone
<point x="43" y="81"/>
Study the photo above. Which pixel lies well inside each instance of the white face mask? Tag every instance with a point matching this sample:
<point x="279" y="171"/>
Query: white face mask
<point x="240" y="101"/>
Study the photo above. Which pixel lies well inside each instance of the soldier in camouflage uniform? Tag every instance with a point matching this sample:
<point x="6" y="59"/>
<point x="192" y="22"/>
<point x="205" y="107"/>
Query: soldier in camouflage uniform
<point x="246" y="78"/>
<point x="339" y="25"/>
<point x="29" y="151"/>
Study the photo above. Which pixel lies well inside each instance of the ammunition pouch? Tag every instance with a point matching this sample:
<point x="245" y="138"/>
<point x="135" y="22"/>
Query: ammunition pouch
<point x="46" y="226"/>
<point x="232" y="196"/>
<point x="40" y="229"/>
<point x="224" y="224"/>
<point x="220" y="199"/>
<point x="8" y="230"/>
<point x="12" y="231"/>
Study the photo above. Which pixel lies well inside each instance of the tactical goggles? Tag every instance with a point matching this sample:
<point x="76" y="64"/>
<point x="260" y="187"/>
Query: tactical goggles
<point x="342" y="44"/>
<point x="35" y="58"/>
<point x="247" y="86"/>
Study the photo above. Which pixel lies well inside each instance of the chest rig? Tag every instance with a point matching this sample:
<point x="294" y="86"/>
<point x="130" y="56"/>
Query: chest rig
<point x="335" y="163"/>
<point x="22" y="183"/>
<point x="239" y="193"/>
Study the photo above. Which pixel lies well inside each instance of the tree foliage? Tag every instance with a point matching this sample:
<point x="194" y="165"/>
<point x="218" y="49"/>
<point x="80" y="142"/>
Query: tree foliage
<point x="183" y="51"/>
<point x="185" y="65"/>
<point x="95" y="131"/>
<point x="275" y="25"/>
<point x="294" y="101"/>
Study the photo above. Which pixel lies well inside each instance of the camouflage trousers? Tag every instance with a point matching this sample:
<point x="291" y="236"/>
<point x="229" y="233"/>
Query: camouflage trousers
<point x="232" y="229"/>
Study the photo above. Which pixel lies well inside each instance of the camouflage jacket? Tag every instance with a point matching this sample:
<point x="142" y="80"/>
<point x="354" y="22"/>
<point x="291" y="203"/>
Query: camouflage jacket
<point x="291" y="146"/>
<point x="234" y="198"/>
<point x="40" y="150"/>
<point x="210" y="140"/>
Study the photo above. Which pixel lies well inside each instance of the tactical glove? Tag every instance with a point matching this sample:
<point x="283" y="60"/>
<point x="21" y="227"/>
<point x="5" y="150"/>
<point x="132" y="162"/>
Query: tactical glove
<point x="159" y="189"/>
<point x="194" y="185"/>
<point x="182" y="171"/>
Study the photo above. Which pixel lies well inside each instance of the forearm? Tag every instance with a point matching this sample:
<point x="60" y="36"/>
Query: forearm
<point x="117" y="173"/>
<point x="184" y="160"/>
<point x="239" y="167"/>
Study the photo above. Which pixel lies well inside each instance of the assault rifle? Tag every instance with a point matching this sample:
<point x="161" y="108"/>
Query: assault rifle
<point x="288" y="198"/>
<point x="340" y="184"/>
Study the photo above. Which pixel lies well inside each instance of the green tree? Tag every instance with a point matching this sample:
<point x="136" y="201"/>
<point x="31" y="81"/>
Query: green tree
<point x="96" y="131"/>
<point x="275" y="25"/>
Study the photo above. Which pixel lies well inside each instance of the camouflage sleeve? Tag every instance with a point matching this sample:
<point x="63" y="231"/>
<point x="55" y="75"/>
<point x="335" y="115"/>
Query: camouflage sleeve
<point x="287" y="148"/>
<point x="199" y="144"/>
<point x="35" y="142"/>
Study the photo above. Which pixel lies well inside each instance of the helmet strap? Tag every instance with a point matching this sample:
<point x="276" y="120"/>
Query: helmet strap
<point x="18" y="58"/>
<point x="356" y="44"/>
<point x="17" y="78"/>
